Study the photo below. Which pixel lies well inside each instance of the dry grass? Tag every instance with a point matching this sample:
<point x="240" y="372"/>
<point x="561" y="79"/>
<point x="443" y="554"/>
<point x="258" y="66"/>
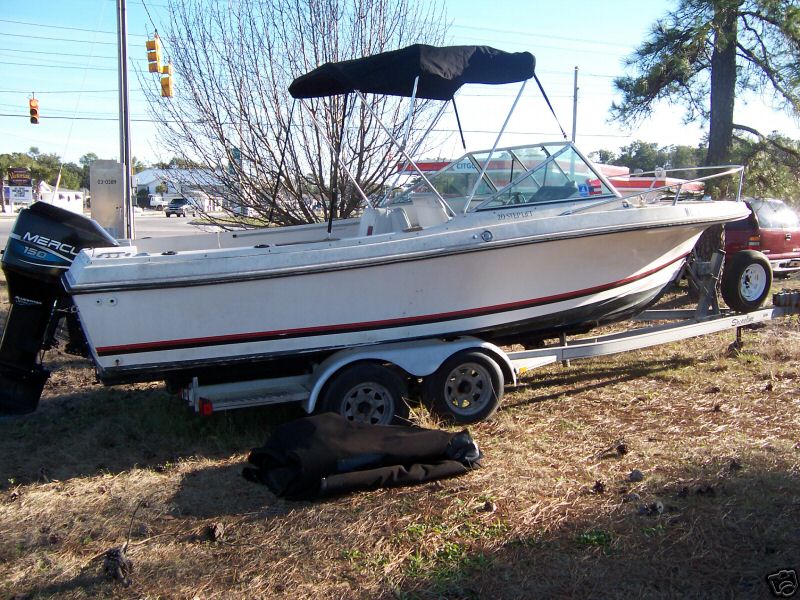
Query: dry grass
<point x="717" y="437"/>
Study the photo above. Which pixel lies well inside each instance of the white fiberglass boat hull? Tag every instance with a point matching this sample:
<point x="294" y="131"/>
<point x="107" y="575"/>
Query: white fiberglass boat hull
<point x="500" y="277"/>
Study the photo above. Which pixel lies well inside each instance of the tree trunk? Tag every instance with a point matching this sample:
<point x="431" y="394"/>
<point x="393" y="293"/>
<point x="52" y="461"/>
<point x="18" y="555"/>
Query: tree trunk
<point x="723" y="81"/>
<point x="723" y="91"/>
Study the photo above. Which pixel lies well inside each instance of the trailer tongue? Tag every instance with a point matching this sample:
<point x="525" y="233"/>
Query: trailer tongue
<point x="44" y="242"/>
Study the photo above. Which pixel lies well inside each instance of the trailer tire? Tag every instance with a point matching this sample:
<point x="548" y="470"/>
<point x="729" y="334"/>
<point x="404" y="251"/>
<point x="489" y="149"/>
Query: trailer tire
<point x="465" y="389"/>
<point x="746" y="281"/>
<point x="367" y="393"/>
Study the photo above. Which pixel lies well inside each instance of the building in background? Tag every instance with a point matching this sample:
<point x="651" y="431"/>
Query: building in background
<point x="72" y="200"/>
<point x="200" y="185"/>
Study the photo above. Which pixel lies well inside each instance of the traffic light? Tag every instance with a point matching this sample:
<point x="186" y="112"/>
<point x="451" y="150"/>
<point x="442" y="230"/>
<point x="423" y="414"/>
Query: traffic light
<point x="154" y="66"/>
<point x="166" y="86"/>
<point x="154" y="54"/>
<point x="33" y="106"/>
<point x="166" y="81"/>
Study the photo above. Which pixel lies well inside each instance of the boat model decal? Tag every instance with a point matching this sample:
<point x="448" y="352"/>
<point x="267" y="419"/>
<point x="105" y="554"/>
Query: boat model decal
<point x="47" y="252"/>
<point x="264" y="336"/>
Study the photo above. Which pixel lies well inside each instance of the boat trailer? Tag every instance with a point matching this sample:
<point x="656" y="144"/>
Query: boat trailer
<point x="462" y="379"/>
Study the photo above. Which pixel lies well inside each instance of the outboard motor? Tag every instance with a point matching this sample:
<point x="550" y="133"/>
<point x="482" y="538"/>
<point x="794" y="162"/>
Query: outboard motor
<point x="44" y="242"/>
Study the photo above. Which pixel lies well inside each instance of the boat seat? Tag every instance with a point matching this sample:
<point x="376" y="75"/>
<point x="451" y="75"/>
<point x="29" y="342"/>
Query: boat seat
<point x="375" y="221"/>
<point x="554" y="192"/>
<point x="428" y="210"/>
<point x="399" y="219"/>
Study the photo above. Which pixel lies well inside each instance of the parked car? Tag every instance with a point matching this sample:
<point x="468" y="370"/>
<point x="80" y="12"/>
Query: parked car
<point x="181" y="207"/>
<point x="773" y="229"/>
<point x="157" y="201"/>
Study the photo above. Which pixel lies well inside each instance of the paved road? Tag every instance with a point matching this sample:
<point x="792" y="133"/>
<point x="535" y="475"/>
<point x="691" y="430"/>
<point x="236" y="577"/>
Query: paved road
<point x="148" y="224"/>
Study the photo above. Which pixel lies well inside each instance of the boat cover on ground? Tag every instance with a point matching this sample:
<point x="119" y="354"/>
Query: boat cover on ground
<point x="327" y="455"/>
<point x="441" y="71"/>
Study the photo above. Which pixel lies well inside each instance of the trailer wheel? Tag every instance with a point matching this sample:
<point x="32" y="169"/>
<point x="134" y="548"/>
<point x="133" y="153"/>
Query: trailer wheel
<point x="746" y="281"/>
<point x="466" y="389"/>
<point x="367" y="393"/>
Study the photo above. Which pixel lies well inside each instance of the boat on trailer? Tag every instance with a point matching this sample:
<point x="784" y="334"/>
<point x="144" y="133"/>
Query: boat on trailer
<point x="513" y="244"/>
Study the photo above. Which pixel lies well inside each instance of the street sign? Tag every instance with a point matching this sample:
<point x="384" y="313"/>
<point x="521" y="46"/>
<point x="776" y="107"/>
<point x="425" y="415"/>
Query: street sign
<point x="21" y="193"/>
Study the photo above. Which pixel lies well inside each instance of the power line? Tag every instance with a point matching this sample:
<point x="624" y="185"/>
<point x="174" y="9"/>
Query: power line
<point x="61" y="63"/>
<point x="561" y="73"/>
<point x="76" y="66"/>
<point x="61" y="112"/>
<point x="54" y="110"/>
<point x="53" y="39"/>
<point x="526" y="46"/>
<point x="63" y="91"/>
<point x="474" y="28"/>
<point x="51" y="62"/>
<point x="580" y="73"/>
<point x="64" y="27"/>
<point x="115" y="119"/>
<point x="542" y="35"/>
<point x="437" y="130"/>
<point x="57" y="66"/>
<point x="600" y="75"/>
<point x="130" y="58"/>
<point x="52" y="53"/>
<point x="149" y="17"/>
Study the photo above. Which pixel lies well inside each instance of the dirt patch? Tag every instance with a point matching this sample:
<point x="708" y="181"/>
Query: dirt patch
<point x="557" y="510"/>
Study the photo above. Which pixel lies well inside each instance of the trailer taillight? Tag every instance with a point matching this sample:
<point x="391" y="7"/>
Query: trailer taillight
<point x="206" y="407"/>
<point x="754" y="241"/>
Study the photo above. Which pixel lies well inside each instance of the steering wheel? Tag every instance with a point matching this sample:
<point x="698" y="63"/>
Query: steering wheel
<point x="517" y="198"/>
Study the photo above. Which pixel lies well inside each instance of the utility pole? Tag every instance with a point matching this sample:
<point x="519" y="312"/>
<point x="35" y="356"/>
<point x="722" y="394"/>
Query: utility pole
<point x="575" y="106"/>
<point x="124" y="118"/>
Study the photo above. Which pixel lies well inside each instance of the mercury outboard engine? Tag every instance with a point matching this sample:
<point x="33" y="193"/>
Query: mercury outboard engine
<point x="44" y="242"/>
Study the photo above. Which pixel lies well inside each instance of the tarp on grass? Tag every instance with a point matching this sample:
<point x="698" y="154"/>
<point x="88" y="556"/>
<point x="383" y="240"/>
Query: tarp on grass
<point x="327" y="455"/>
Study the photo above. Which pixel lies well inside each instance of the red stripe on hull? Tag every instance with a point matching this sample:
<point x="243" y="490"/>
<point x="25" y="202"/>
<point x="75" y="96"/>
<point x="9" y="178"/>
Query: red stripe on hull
<point x="400" y="321"/>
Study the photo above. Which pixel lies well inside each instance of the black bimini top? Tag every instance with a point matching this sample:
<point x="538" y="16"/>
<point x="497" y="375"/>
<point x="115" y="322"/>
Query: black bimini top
<point x="441" y="71"/>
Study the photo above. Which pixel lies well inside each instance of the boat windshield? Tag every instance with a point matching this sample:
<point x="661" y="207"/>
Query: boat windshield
<point x="534" y="174"/>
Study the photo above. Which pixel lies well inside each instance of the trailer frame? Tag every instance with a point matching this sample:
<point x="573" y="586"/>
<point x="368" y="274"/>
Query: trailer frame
<point x="419" y="359"/>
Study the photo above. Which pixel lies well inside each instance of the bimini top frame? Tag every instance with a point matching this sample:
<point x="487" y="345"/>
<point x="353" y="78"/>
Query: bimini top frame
<point x="417" y="71"/>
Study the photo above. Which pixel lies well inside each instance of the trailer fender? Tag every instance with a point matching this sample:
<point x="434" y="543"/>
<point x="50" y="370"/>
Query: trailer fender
<point x="418" y="358"/>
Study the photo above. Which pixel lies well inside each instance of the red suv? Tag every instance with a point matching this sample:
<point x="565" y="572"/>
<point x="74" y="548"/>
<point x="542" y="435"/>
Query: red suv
<point x="773" y="229"/>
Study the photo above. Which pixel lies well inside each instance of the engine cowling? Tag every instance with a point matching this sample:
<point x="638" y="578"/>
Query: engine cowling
<point x="41" y="247"/>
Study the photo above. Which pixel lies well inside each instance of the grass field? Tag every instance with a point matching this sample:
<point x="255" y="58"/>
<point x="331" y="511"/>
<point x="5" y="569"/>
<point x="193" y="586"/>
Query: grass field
<point x="552" y="514"/>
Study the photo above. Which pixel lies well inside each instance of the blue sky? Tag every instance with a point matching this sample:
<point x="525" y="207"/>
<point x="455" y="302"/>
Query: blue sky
<point x="46" y="46"/>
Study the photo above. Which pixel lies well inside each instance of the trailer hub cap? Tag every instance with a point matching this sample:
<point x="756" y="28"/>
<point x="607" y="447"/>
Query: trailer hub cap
<point x="468" y="388"/>
<point x="752" y="282"/>
<point x="368" y="402"/>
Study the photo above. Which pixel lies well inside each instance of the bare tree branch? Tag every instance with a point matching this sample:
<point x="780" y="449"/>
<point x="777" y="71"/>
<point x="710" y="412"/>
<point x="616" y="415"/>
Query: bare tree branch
<point x="772" y="141"/>
<point x="233" y="65"/>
